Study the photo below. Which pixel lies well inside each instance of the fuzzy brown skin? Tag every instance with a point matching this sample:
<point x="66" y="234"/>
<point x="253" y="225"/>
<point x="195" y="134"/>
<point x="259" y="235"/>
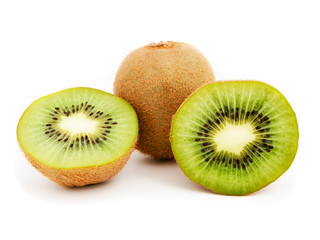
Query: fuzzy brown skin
<point x="155" y="80"/>
<point x="76" y="177"/>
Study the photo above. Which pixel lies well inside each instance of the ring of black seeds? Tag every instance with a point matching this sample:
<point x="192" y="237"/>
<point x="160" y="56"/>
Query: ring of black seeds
<point x="260" y="145"/>
<point x="88" y="109"/>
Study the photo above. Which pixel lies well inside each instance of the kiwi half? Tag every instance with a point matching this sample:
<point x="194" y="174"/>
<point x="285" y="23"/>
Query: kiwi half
<point x="78" y="136"/>
<point x="155" y="80"/>
<point x="235" y="137"/>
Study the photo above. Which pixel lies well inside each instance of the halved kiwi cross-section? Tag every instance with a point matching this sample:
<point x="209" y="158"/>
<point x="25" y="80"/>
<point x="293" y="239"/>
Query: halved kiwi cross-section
<point x="235" y="137"/>
<point x="78" y="136"/>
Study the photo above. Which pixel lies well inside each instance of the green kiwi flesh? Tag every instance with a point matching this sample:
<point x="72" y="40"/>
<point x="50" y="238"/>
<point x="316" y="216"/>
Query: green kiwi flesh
<point x="77" y="128"/>
<point x="235" y="137"/>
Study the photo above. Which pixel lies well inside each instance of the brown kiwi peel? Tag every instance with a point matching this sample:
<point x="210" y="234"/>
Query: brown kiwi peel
<point x="77" y="177"/>
<point x="155" y="80"/>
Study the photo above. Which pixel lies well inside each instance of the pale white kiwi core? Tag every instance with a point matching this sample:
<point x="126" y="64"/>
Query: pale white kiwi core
<point x="78" y="123"/>
<point x="233" y="137"/>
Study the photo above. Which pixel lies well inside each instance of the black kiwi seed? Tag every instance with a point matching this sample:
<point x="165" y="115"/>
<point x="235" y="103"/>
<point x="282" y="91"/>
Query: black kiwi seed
<point x="200" y="133"/>
<point x="197" y="139"/>
<point x="265" y="119"/>
<point x="205" y="144"/>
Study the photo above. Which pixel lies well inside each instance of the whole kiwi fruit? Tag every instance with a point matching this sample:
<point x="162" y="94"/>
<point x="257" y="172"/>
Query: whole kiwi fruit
<point x="155" y="80"/>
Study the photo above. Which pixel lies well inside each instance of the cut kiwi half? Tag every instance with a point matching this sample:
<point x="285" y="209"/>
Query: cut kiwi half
<point x="235" y="137"/>
<point x="78" y="136"/>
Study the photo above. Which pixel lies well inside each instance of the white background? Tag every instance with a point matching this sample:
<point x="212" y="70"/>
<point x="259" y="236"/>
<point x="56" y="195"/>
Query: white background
<point x="47" y="46"/>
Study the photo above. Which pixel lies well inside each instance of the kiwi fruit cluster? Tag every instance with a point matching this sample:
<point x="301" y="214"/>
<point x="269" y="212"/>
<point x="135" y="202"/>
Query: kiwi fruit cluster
<point x="231" y="137"/>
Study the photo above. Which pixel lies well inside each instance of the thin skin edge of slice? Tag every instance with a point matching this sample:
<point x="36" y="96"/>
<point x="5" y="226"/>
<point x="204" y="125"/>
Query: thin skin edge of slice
<point x="215" y="191"/>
